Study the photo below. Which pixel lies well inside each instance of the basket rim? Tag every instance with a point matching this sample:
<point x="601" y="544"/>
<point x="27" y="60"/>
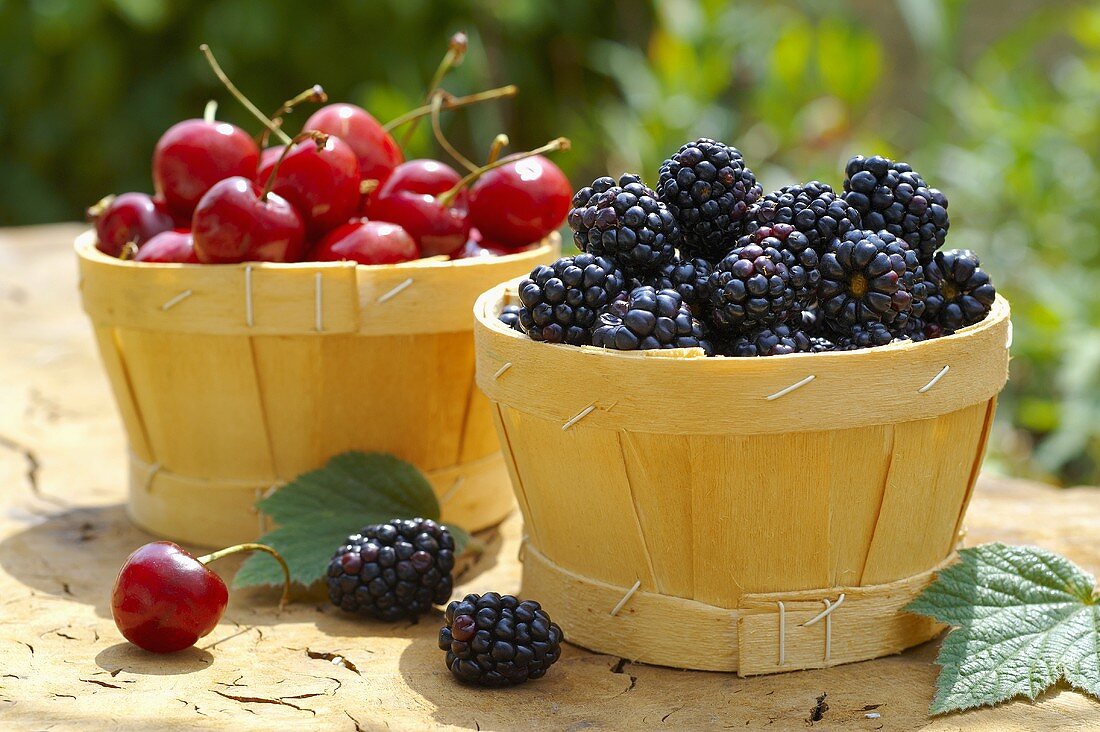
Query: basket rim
<point x="84" y="246"/>
<point x="488" y="305"/>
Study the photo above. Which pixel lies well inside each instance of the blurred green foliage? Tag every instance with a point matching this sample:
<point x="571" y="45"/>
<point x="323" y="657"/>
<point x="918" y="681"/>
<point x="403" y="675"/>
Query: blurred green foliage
<point x="996" y="102"/>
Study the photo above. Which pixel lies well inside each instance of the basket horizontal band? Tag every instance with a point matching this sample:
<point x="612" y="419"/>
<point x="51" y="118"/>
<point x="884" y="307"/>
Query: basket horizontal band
<point x="474" y="495"/>
<point x="683" y="392"/>
<point x="769" y="633"/>
<point x="423" y="296"/>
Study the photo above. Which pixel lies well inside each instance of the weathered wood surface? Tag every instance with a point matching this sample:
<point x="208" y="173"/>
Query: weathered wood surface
<point x="63" y="534"/>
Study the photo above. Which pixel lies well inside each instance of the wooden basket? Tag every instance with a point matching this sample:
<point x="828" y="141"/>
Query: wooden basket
<point x="752" y="515"/>
<point x="233" y="379"/>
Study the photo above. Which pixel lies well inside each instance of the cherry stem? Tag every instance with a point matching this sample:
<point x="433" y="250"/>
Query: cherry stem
<point x="437" y="130"/>
<point x="456" y="51"/>
<point x="368" y="186"/>
<point x="452" y="102"/>
<point x="315" y="95"/>
<point x="250" y="547"/>
<point x="240" y="96"/>
<point x="318" y="137"/>
<point x="447" y="197"/>
<point x="96" y="209"/>
<point x="210" y="112"/>
<point x="499" y="143"/>
<point x="129" y="251"/>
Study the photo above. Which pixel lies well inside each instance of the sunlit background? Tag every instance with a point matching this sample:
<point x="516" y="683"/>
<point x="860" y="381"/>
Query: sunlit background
<point x="996" y="102"/>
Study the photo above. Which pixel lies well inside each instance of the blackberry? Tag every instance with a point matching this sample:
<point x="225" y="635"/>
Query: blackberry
<point x="649" y="319"/>
<point x="561" y="301"/>
<point x="869" y="277"/>
<point x="708" y="189"/>
<point x="892" y="197"/>
<point x="799" y="256"/>
<point x="687" y="276"/>
<point x="509" y="315"/>
<point x="394" y="570"/>
<point x="821" y="345"/>
<point x="777" y="341"/>
<point x="813" y="208"/>
<point x="625" y="222"/>
<point x="961" y="292"/>
<point x="865" y="335"/>
<point x="496" y="640"/>
<point x="750" y="289"/>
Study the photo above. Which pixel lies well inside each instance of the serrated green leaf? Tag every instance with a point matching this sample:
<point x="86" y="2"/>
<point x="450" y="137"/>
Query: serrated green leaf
<point x="1024" y="618"/>
<point x="319" y="509"/>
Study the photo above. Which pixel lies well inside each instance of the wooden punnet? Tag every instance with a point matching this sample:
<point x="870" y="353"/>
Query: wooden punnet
<point x="233" y="379"/>
<point x="752" y="515"/>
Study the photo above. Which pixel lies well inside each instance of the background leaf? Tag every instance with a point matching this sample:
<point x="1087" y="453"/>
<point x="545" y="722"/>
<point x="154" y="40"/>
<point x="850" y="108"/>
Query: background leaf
<point x="319" y="509"/>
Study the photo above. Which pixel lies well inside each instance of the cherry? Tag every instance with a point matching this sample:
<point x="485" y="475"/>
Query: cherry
<point x="195" y="154"/>
<point x="375" y="148"/>
<point x="320" y="180"/>
<point x="175" y="246"/>
<point x="126" y="218"/>
<point x="366" y="242"/>
<point x="411" y="198"/>
<point x="478" y="246"/>
<point x="236" y="221"/>
<point x="521" y="202"/>
<point x="165" y="598"/>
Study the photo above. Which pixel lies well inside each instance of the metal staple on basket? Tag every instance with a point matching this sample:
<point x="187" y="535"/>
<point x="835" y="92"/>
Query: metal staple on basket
<point x="827" y="613"/>
<point x="787" y="390"/>
<point x="168" y="305"/>
<point x="626" y="598"/>
<point x="318" y="310"/>
<point x="396" y="291"/>
<point x="934" y="381"/>
<point x="500" y="372"/>
<point x="248" y="314"/>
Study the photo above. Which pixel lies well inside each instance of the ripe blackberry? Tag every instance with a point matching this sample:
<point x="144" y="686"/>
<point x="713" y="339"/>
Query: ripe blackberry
<point x="961" y="292"/>
<point x="394" y="570"/>
<point x="799" y="256"/>
<point x="777" y="341"/>
<point x="509" y="315"/>
<point x="496" y="640"/>
<point x="892" y="197"/>
<point x="821" y="345"/>
<point x="750" y="289"/>
<point x="865" y="335"/>
<point x="687" y="276"/>
<point x="813" y="208"/>
<point x="625" y="222"/>
<point x="649" y="319"/>
<point x="561" y="301"/>
<point x="707" y="187"/>
<point x="869" y="277"/>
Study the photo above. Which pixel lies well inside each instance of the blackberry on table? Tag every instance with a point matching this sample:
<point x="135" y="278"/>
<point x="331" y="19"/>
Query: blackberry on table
<point x="709" y="190"/>
<point x="799" y="256"/>
<point x="813" y="208"/>
<point x="394" y="570"/>
<point x="498" y="640"/>
<point x="750" y="289"/>
<point x="509" y="315"/>
<point x="625" y="222"/>
<point x="777" y="341"/>
<point x="961" y="292"/>
<point x="560" y="301"/>
<point x="893" y="197"/>
<point x="649" y="319"/>
<point x="687" y="276"/>
<point x="868" y="277"/>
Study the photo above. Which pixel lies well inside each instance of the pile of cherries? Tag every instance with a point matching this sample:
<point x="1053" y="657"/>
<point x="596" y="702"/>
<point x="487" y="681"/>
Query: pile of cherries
<point x="340" y="190"/>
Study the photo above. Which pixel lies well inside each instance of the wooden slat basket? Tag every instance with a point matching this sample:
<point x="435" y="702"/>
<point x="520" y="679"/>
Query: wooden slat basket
<point x="753" y="515"/>
<point x="233" y="379"/>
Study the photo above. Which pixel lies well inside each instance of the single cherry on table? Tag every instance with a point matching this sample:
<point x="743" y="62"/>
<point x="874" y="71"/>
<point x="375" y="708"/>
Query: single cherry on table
<point x="193" y="155"/>
<point x="165" y="598"/>
<point x="128" y="218"/>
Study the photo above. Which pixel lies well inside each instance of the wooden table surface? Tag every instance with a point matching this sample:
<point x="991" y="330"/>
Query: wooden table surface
<point x="64" y="533"/>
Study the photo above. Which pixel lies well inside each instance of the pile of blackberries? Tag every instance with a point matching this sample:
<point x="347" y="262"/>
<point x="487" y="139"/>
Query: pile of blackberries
<point x="706" y="261"/>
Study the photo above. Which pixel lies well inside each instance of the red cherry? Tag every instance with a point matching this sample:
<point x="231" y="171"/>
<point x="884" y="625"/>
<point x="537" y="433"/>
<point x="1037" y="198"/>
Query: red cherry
<point x="521" y="202"/>
<point x="478" y="246"/>
<point x="366" y="242"/>
<point x="175" y="246"/>
<point x="129" y="217"/>
<point x="409" y="198"/>
<point x="322" y="183"/>
<point x="376" y="149"/>
<point x="195" y="154"/>
<point x="236" y="222"/>
<point x="165" y="599"/>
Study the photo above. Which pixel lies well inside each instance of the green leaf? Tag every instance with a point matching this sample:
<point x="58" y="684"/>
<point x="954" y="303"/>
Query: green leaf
<point x="319" y="509"/>
<point x="1025" y="617"/>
